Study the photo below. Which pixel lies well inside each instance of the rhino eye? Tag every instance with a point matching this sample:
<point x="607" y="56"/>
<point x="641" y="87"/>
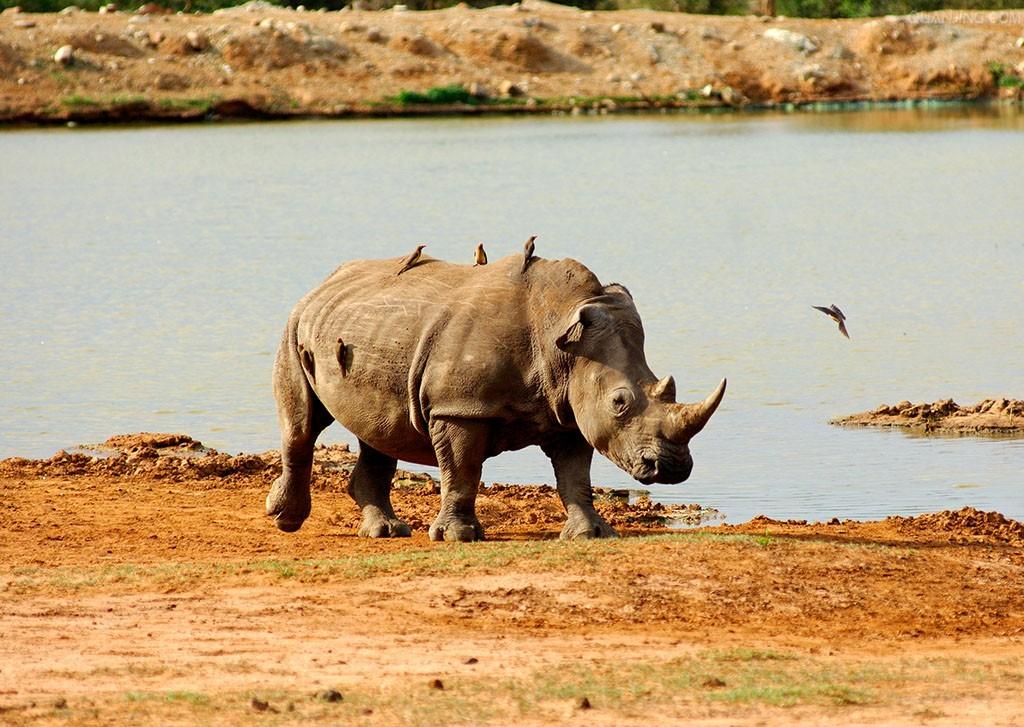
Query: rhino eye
<point x="622" y="402"/>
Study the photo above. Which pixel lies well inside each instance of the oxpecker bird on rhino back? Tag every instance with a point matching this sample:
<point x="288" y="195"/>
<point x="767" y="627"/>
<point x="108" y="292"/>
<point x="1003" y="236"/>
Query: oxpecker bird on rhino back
<point x="449" y="365"/>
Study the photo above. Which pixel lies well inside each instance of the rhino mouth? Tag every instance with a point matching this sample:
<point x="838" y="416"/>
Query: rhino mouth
<point x="649" y="469"/>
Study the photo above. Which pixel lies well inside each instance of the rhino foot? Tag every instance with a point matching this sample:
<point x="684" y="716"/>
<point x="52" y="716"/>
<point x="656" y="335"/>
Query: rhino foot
<point x="288" y="507"/>
<point x="456" y="530"/>
<point x="581" y="528"/>
<point x="377" y="525"/>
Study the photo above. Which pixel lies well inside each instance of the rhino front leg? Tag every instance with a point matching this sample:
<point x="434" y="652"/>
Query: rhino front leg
<point x="460" y="446"/>
<point x="301" y="417"/>
<point x="570" y="457"/>
<point x="370" y="487"/>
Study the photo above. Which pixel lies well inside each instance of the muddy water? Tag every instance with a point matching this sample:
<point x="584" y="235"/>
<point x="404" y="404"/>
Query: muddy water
<point x="148" y="273"/>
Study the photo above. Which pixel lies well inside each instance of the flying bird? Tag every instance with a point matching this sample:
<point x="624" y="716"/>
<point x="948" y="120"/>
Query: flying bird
<point x="481" y="256"/>
<point x="835" y="314"/>
<point x="413" y="258"/>
<point x="528" y="252"/>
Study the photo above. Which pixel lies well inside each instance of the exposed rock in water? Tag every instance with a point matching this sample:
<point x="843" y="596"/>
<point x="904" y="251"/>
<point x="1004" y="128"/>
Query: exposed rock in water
<point x="994" y="417"/>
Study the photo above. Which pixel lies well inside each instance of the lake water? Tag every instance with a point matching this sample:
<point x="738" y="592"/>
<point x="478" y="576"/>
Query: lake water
<point x="148" y="272"/>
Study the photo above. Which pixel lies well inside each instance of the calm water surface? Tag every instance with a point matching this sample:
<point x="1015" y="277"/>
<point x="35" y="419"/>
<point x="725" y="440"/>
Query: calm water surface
<point x="148" y="273"/>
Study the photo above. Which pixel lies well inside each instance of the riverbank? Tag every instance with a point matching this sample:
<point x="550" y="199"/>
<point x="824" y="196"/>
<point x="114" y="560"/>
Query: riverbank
<point x="259" y="61"/>
<point x="140" y="580"/>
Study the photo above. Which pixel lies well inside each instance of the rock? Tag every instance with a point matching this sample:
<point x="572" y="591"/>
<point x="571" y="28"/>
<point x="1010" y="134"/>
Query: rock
<point x="509" y="90"/>
<point x="617" y="28"/>
<point x="436" y="684"/>
<point x="713" y="683"/>
<point x="1020" y="42"/>
<point x="732" y="97"/>
<point x="840" y="53"/>
<point x="24" y="23"/>
<point x="471" y="660"/>
<point x="70" y="10"/>
<point x="259" y="705"/>
<point x="798" y="41"/>
<point x="196" y="40"/>
<point x="708" y="91"/>
<point x="64" y="56"/>
<point x="657" y="27"/>
<point x="583" y="703"/>
<point x="152" y="9"/>
<point x="60" y="703"/>
<point x="329" y="695"/>
<point x="374" y="35"/>
<point x="478" y="90"/>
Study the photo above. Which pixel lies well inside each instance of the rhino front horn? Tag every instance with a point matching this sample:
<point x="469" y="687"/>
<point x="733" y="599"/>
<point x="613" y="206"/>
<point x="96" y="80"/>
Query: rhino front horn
<point x="689" y="419"/>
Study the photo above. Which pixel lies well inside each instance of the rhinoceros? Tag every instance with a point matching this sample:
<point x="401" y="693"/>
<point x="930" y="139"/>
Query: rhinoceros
<point x="449" y="365"/>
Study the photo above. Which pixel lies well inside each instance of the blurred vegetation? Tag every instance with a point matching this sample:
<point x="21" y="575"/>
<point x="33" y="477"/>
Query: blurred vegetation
<point x="791" y="8"/>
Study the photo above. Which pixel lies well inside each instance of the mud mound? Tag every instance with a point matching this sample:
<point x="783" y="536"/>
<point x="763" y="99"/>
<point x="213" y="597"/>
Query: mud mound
<point x="417" y="45"/>
<point x="890" y="37"/>
<point x="273" y="46"/>
<point x="175" y="457"/>
<point x="101" y="44"/>
<point x="992" y="416"/>
<point x="519" y="49"/>
<point x="963" y="526"/>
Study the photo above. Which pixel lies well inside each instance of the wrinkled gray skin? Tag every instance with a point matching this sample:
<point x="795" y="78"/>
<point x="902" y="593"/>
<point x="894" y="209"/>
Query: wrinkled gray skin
<point x="448" y="365"/>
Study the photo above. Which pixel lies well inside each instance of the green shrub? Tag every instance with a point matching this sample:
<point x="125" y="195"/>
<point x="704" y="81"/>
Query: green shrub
<point x="436" y="95"/>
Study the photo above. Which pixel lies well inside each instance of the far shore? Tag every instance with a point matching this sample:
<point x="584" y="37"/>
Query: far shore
<point x="260" y="62"/>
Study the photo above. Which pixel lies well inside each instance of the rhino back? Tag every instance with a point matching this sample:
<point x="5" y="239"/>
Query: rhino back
<point x="440" y="340"/>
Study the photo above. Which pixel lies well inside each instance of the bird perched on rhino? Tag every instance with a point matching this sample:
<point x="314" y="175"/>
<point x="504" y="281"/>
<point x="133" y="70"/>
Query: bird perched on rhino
<point x="835" y="314"/>
<point x="414" y="257"/>
<point x="528" y="252"/>
<point x="481" y="255"/>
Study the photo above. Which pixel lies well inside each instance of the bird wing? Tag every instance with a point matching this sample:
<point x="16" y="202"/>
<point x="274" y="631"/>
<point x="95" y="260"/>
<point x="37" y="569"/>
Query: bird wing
<point x="842" y="329"/>
<point x="838" y="312"/>
<point x="826" y="311"/>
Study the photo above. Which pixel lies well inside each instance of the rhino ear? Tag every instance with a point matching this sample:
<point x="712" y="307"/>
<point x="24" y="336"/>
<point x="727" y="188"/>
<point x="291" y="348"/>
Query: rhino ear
<point x="585" y="319"/>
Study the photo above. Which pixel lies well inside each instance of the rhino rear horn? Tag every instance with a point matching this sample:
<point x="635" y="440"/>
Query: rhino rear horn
<point x="665" y="390"/>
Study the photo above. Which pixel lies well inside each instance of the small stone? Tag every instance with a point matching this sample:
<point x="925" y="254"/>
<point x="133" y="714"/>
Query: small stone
<point x="65" y="55"/>
<point x="713" y="683"/>
<point x="437" y="684"/>
<point x="471" y="660"/>
<point x="70" y="10"/>
<point x="708" y="91"/>
<point x="400" y="9"/>
<point x="259" y="705"/>
<point x="583" y="703"/>
<point x="374" y="35"/>
<point x="477" y="90"/>
<point x="60" y="703"/>
<point x="657" y="27"/>
<point x="196" y="40"/>
<point x="509" y="89"/>
<point x="329" y="695"/>
<point x="617" y="28"/>
<point x="24" y="23"/>
<point x="798" y="41"/>
<point x="1020" y="42"/>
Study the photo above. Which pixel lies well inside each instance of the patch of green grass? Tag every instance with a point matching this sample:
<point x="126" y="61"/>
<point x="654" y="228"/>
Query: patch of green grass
<point x="76" y="100"/>
<point x="438" y="95"/>
<point x="1003" y="76"/>
<point x="203" y="103"/>
<point x="193" y="698"/>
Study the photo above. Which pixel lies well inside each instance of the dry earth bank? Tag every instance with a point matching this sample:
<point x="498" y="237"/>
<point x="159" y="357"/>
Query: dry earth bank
<point x="140" y="581"/>
<point x="263" y="61"/>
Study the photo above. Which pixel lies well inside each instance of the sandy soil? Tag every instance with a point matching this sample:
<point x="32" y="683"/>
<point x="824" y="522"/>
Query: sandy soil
<point x="141" y="582"/>
<point x="991" y="417"/>
<point x="258" y="61"/>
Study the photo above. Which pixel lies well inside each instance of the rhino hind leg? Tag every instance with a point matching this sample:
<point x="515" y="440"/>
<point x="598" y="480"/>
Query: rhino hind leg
<point x="302" y="417"/>
<point x="571" y="457"/>
<point x="460" y="447"/>
<point x="370" y="487"/>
